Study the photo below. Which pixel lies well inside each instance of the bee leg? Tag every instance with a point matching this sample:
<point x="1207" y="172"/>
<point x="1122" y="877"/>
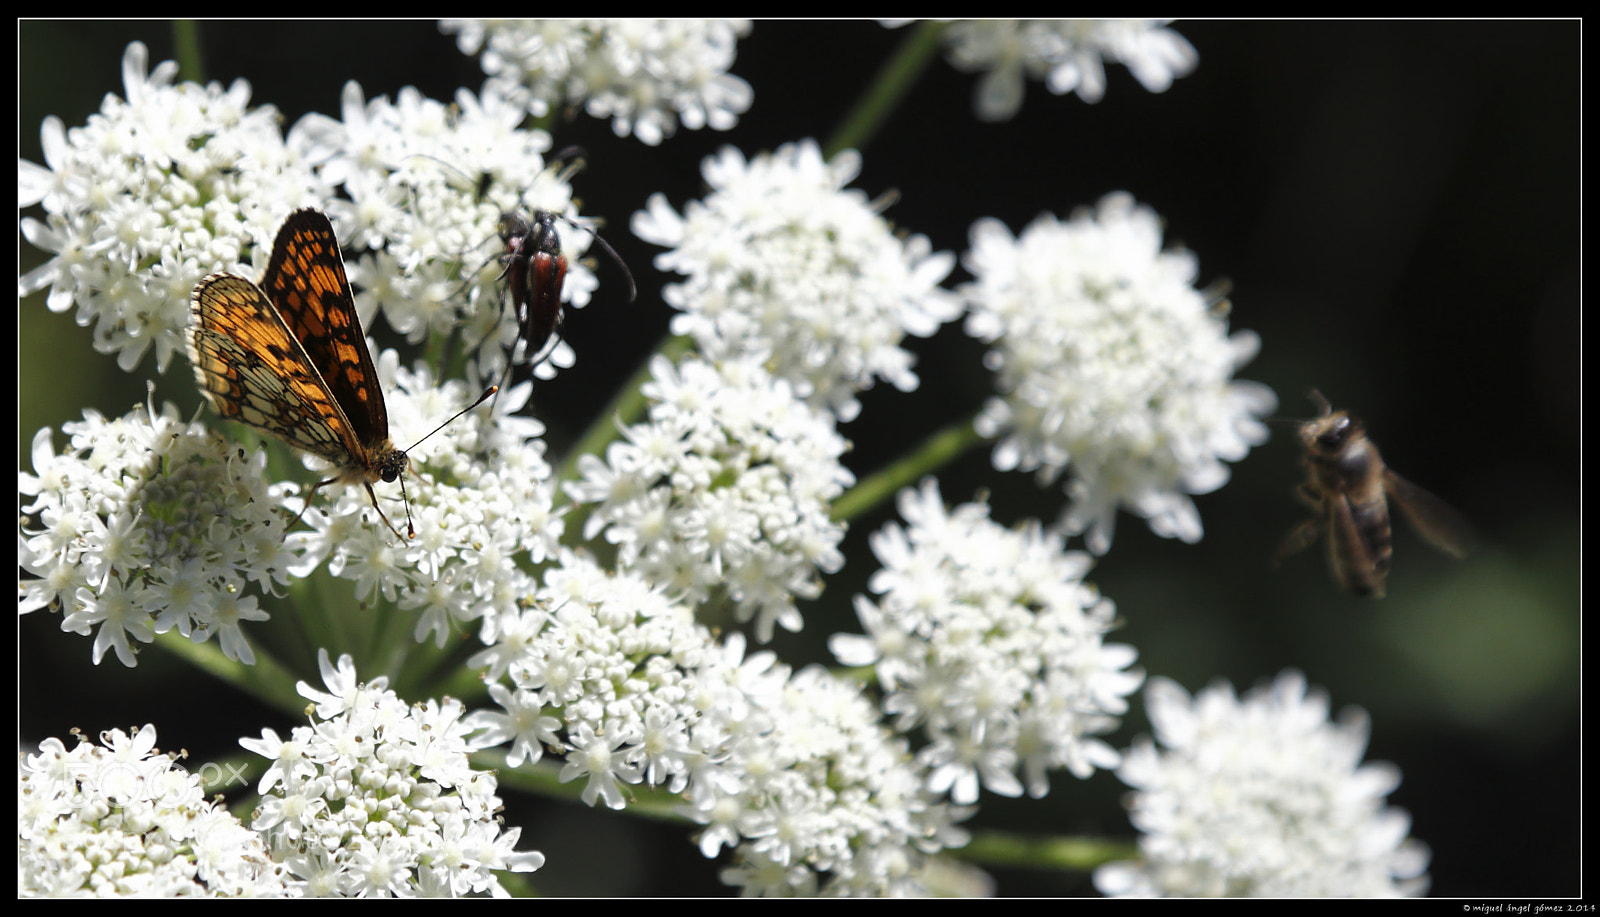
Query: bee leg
<point x="1309" y="496"/>
<point x="1299" y="538"/>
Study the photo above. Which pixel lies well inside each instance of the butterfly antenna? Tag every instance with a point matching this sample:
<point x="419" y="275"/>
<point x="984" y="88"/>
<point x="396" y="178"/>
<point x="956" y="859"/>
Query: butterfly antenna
<point x="411" y="528"/>
<point x="481" y="399"/>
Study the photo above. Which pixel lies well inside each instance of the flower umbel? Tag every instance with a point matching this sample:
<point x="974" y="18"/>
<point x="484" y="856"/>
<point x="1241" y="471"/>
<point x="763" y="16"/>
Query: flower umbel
<point x="1261" y="797"/>
<point x="376" y="798"/>
<point x="124" y="820"/>
<point x="724" y="490"/>
<point x="781" y="259"/>
<point x="646" y="75"/>
<point x="1109" y="359"/>
<point x="1066" y="53"/>
<point x="153" y="193"/>
<point x="990" y="640"/>
<point x="791" y="770"/>
<point x="145" y="525"/>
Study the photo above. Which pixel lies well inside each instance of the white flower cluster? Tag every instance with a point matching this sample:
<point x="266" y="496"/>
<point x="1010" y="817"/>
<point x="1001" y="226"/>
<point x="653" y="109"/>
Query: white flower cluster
<point x="377" y="798"/>
<point x="428" y="183"/>
<point x="124" y="820"/>
<point x="145" y="525"/>
<point x="827" y="803"/>
<point x="1261" y="797"/>
<point x="1110" y="359"/>
<point x="1066" y="53"/>
<point x="152" y="194"/>
<point x="646" y="75"/>
<point x="479" y="491"/>
<point x="990" y="641"/>
<point x="179" y="181"/>
<point x="724" y="490"/>
<point x="790" y="770"/>
<point x="783" y="260"/>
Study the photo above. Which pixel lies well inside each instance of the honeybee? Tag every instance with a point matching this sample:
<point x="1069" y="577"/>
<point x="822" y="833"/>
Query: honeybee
<point x="1349" y="487"/>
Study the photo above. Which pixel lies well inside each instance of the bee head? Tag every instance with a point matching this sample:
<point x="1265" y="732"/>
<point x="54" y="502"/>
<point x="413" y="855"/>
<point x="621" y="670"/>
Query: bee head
<point x="1329" y="433"/>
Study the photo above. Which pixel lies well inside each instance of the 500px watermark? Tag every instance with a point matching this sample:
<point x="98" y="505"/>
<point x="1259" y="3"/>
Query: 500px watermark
<point x="125" y="783"/>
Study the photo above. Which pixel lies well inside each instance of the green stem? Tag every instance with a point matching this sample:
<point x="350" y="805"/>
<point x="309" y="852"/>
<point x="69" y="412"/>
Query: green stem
<point x="997" y="848"/>
<point x="186" y="45"/>
<point x="935" y="452"/>
<point x="543" y="779"/>
<point x="893" y="81"/>
<point x="267" y="680"/>
<point x="625" y="408"/>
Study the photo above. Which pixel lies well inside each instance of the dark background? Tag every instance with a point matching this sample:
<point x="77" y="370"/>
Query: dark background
<point x="1396" y="205"/>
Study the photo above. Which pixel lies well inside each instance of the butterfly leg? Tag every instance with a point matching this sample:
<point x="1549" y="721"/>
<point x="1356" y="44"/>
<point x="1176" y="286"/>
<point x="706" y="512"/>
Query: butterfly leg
<point x="307" y="502"/>
<point x="412" y="528"/>
<point x="370" y="493"/>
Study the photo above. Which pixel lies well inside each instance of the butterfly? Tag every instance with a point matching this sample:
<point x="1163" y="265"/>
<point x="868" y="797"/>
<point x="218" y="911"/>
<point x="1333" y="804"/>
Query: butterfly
<point x="288" y="357"/>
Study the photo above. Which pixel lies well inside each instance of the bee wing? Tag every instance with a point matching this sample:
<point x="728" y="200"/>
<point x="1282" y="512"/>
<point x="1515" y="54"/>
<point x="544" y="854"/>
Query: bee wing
<point x="1349" y="558"/>
<point x="1434" y="520"/>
